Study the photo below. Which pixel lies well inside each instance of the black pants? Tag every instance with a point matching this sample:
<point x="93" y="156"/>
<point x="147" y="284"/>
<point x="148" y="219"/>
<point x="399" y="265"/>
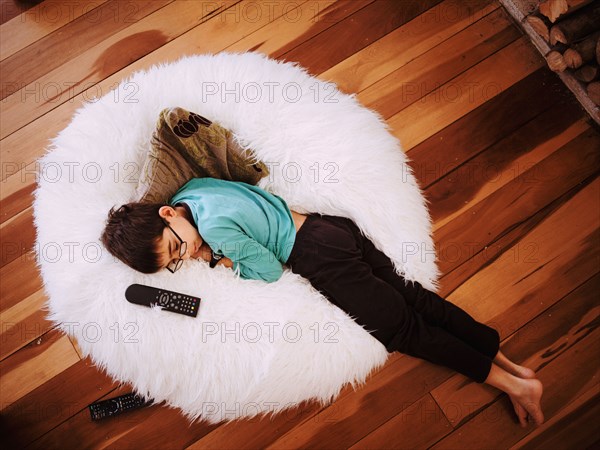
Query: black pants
<point x="345" y="266"/>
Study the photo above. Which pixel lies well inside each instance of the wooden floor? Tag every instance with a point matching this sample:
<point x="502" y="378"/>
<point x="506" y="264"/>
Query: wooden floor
<point x="506" y="157"/>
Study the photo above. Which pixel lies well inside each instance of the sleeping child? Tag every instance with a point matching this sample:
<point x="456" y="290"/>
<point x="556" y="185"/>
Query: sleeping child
<point x="254" y="232"/>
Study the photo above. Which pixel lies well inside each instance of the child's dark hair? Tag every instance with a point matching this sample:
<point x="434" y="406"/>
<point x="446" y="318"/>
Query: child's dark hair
<point x="132" y="233"/>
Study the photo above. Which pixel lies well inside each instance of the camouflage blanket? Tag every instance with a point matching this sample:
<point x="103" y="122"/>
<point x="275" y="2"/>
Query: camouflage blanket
<point x="186" y="145"/>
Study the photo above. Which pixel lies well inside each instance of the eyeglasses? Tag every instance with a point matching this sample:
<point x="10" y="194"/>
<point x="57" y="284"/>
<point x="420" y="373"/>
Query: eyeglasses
<point x="175" y="265"/>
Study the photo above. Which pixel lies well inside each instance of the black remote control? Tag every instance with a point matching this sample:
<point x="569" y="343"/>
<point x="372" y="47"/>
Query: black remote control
<point x="115" y="406"/>
<point x="169" y="300"/>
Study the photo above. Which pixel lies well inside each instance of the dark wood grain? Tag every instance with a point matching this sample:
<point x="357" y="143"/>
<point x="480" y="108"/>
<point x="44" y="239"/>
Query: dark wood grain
<point x="58" y="48"/>
<point x="17" y="237"/>
<point x="514" y="202"/>
<point x="433" y="69"/>
<point x="12" y="8"/>
<point x="480" y="260"/>
<point x="487" y="124"/>
<point x="419" y="426"/>
<point x="389" y="392"/>
<point x="355" y="32"/>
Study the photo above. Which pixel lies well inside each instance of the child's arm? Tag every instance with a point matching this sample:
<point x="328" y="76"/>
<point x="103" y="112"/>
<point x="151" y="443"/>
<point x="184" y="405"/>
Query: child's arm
<point x="254" y="260"/>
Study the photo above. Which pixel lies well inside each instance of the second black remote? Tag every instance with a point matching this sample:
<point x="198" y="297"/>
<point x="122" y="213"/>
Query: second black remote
<point x="117" y="405"/>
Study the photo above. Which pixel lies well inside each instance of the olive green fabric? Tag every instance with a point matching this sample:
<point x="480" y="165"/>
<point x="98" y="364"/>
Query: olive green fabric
<point x="186" y="145"/>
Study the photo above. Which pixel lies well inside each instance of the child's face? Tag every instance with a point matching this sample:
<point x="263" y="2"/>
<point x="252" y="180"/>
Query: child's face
<point x="169" y="246"/>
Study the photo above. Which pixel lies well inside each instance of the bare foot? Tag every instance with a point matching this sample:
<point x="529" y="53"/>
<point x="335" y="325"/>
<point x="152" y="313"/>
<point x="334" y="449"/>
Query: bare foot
<point x="519" y="411"/>
<point x="513" y="368"/>
<point x="521" y="371"/>
<point x="528" y="398"/>
<point x="525" y="393"/>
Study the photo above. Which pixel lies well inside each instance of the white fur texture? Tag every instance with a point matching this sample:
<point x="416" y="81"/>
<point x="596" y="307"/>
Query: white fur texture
<point x="254" y="347"/>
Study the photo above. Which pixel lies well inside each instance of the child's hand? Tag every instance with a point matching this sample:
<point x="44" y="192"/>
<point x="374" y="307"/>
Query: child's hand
<point x="205" y="253"/>
<point x="226" y="262"/>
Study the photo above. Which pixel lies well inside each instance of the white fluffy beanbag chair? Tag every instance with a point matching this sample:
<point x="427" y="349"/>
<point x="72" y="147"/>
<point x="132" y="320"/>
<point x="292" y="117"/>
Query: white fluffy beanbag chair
<point x="254" y="347"/>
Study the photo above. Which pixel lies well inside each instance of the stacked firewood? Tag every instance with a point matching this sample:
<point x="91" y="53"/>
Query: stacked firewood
<point x="572" y="30"/>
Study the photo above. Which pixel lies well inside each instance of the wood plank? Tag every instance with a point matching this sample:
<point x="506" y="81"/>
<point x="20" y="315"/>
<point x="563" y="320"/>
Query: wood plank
<point x="15" y="202"/>
<point x="354" y="33"/>
<point x="23" y="323"/>
<point x="165" y="428"/>
<point x="261" y="431"/>
<point x="418" y="426"/>
<point x="20" y="152"/>
<point x="464" y="93"/>
<point x="555" y="328"/>
<point x="394" y="50"/>
<point x="450" y="281"/>
<point x="438" y="66"/>
<point x="10" y="9"/>
<point x="20" y="279"/>
<point x="41" y="20"/>
<point x="502" y="114"/>
<point x="519" y="154"/>
<point x="18" y="236"/>
<point x="527" y="282"/>
<point x="470" y="230"/>
<point x="81" y="432"/>
<point x="296" y="26"/>
<point x="258" y="432"/>
<point x="35" y="364"/>
<point x="391" y="391"/>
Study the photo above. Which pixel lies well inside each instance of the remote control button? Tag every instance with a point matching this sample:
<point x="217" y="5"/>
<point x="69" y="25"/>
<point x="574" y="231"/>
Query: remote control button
<point x="115" y="407"/>
<point x="164" y="299"/>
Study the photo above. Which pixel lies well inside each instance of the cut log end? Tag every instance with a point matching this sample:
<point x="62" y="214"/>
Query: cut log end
<point x="540" y="27"/>
<point x="593" y="90"/>
<point x="587" y="73"/>
<point x="557" y="36"/>
<point x="559" y="9"/>
<point x="573" y="59"/>
<point x="556" y="61"/>
<point x="552" y="9"/>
